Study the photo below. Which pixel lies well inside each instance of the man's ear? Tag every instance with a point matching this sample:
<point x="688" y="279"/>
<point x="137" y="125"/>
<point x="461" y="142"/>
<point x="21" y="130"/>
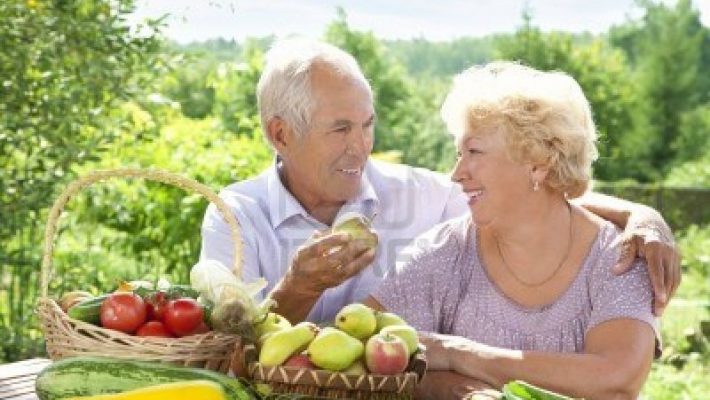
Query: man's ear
<point x="278" y="133"/>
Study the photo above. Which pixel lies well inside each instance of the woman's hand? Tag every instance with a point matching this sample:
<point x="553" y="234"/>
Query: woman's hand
<point x="438" y="357"/>
<point x="620" y="350"/>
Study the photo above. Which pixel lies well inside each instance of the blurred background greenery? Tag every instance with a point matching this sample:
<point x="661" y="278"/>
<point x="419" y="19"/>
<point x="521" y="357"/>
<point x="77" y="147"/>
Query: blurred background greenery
<point x="81" y="90"/>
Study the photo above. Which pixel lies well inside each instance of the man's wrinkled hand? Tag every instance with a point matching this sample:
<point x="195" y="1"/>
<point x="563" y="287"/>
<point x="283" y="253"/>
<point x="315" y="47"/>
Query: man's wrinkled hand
<point x="327" y="260"/>
<point x="648" y="236"/>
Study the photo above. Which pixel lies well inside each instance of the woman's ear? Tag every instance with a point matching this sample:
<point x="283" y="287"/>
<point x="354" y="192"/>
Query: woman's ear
<point x="538" y="174"/>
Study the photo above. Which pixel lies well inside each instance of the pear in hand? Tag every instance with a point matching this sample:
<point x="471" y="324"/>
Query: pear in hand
<point x="357" y="320"/>
<point x="334" y="349"/>
<point x="281" y="345"/>
<point x="358" y="226"/>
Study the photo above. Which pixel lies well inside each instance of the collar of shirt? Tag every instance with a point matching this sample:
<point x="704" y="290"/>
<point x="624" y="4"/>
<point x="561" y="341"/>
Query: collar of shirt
<point x="283" y="205"/>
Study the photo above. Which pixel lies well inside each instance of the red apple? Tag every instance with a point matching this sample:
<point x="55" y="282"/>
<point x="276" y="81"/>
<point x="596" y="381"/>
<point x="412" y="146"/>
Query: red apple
<point x="386" y="354"/>
<point x="299" y="361"/>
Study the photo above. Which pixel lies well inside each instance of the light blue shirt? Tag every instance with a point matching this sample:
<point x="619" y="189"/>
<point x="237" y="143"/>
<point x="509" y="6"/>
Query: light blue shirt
<point x="402" y="202"/>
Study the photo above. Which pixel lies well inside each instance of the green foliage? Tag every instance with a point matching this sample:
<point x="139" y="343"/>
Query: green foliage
<point x="64" y="64"/>
<point x="666" y="382"/>
<point x="603" y="75"/>
<point x="188" y="86"/>
<point x="680" y="204"/>
<point x="429" y="60"/>
<point x="234" y="85"/>
<point x="158" y="226"/>
<point x="64" y="67"/>
<point x="666" y="47"/>
<point x="691" y="174"/>
<point x="693" y="139"/>
<point x="694" y="245"/>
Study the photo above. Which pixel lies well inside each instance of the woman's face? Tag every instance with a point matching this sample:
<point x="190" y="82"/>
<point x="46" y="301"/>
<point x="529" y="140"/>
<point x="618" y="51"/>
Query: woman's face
<point x="496" y="186"/>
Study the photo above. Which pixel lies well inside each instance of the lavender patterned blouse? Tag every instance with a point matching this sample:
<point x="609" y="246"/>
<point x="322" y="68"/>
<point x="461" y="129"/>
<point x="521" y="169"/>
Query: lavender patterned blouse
<point x="443" y="287"/>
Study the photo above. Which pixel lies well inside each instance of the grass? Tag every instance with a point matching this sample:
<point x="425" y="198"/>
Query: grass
<point x="683" y="373"/>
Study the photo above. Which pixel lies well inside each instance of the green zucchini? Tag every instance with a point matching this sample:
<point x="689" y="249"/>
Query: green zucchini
<point x="88" y="376"/>
<point x="171" y="293"/>
<point x="180" y="291"/>
<point x="88" y="310"/>
<point x="521" y="390"/>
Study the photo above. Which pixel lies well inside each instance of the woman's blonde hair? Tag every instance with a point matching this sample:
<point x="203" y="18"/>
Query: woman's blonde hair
<point x="545" y="117"/>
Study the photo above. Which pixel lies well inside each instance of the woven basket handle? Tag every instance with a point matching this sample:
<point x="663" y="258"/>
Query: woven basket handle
<point x="187" y="184"/>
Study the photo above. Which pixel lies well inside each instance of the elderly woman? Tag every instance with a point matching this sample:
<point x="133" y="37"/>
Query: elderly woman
<point x="522" y="288"/>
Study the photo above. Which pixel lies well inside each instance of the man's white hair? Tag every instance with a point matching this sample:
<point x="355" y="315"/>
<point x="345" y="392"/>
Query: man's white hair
<point x="284" y="88"/>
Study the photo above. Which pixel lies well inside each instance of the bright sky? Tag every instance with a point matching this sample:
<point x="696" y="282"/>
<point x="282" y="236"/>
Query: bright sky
<point x="389" y="19"/>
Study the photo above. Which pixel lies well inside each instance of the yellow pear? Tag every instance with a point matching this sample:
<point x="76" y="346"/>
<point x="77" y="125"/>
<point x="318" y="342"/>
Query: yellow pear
<point x="387" y="318"/>
<point x="334" y="350"/>
<point x="282" y="344"/>
<point x="356" y="368"/>
<point x="357" y="320"/>
<point x="272" y="323"/>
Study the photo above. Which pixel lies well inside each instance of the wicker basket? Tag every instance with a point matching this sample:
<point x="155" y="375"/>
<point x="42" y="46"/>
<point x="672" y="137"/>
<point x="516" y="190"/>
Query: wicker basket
<point x="66" y="337"/>
<point x="337" y="385"/>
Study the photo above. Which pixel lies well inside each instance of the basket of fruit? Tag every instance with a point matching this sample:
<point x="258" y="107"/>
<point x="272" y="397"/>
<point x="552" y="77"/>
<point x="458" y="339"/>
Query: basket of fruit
<point x="365" y="355"/>
<point x="139" y="321"/>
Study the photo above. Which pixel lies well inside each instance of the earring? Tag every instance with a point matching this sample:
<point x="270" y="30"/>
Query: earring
<point x="536" y="186"/>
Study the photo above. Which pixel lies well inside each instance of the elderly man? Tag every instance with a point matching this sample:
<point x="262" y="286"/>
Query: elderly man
<point x="317" y="112"/>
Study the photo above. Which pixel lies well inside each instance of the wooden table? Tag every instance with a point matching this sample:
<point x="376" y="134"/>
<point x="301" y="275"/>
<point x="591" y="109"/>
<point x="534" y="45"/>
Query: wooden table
<point x="17" y="380"/>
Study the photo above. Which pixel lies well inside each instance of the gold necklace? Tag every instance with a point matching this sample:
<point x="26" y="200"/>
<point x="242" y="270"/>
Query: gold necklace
<point x="562" y="262"/>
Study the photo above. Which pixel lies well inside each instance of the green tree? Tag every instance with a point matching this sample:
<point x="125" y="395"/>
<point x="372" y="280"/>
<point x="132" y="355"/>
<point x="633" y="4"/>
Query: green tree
<point x="64" y="65"/>
<point x="668" y="48"/>
<point x="426" y="60"/>
<point x="603" y="74"/>
<point x="234" y="85"/>
<point x="156" y="227"/>
<point x="669" y="73"/>
<point x="693" y="139"/>
<point x="188" y="86"/>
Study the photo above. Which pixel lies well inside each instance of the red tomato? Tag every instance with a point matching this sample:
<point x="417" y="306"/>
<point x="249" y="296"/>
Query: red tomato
<point x="182" y="316"/>
<point x="123" y="311"/>
<point x="153" y="328"/>
<point x="201" y="328"/>
<point x="156" y="305"/>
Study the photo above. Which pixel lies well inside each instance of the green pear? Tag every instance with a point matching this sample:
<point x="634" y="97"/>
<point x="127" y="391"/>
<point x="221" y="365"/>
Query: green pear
<point x="282" y="344"/>
<point x="358" y="226"/>
<point x="356" y="368"/>
<point x="260" y="341"/>
<point x="387" y="318"/>
<point x="357" y="320"/>
<point x="404" y="332"/>
<point x="334" y="350"/>
<point x="272" y="323"/>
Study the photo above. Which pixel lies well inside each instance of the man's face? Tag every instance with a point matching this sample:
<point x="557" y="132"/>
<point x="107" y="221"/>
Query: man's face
<point x="325" y="166"/>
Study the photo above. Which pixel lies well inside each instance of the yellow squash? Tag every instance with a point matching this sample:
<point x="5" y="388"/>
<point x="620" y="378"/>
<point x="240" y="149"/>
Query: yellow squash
<point x="186" y="390"/>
